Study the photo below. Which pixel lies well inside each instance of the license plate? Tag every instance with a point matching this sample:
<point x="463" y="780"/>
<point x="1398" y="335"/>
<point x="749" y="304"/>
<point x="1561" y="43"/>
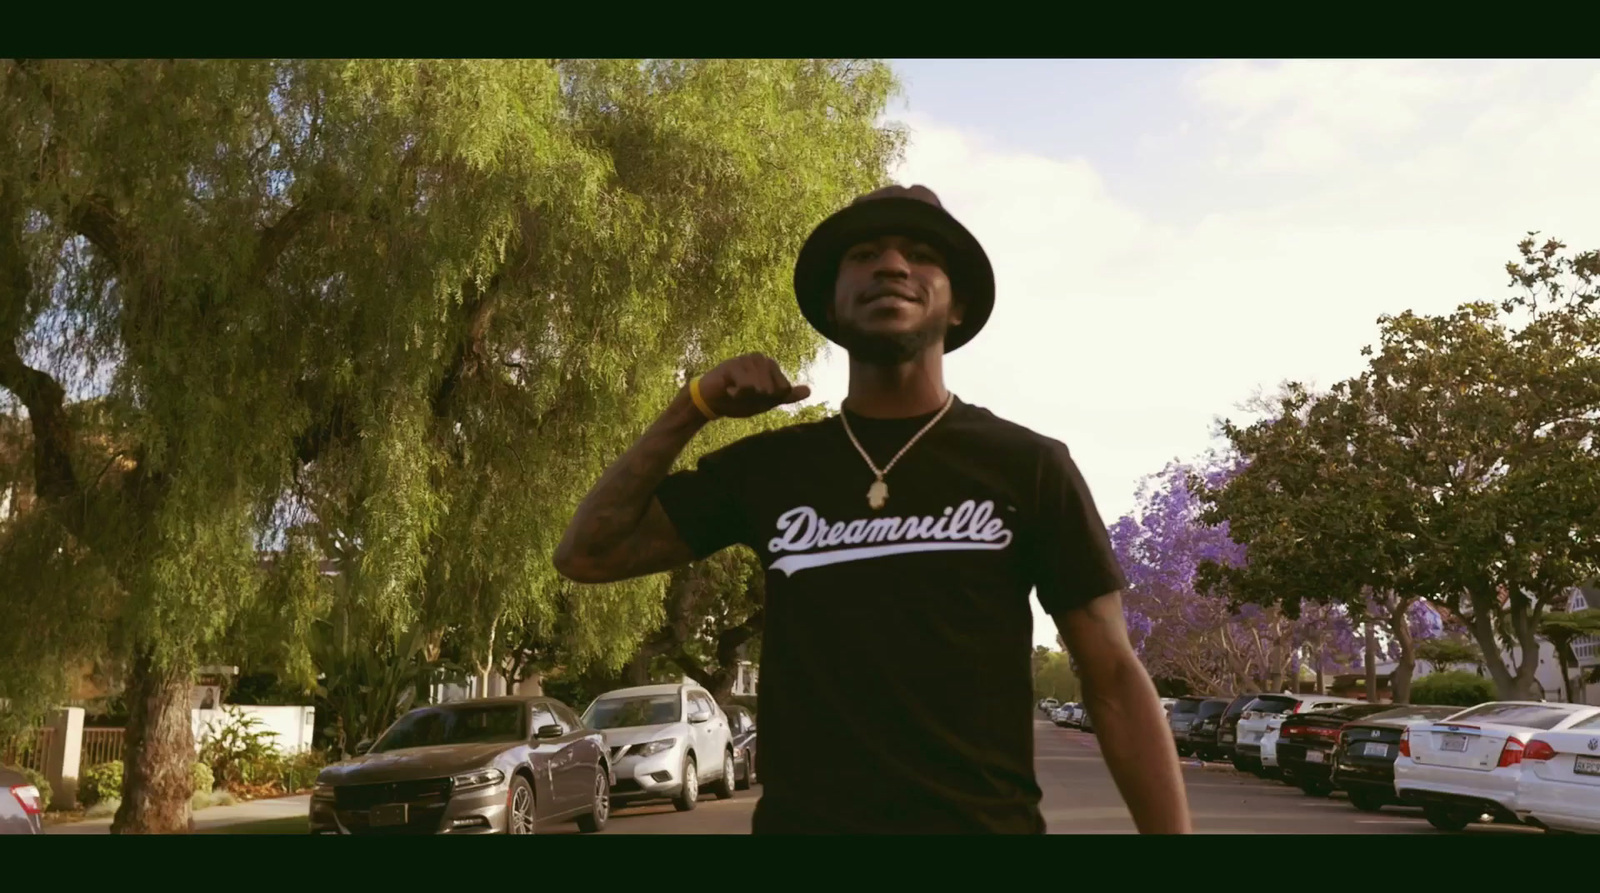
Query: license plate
<point x="1586" y="766"/>
<point x="388" y="814"/>
<point x="1314" y="756"/>
<point x="1227" y="736"/>
<point x="1454" y="744"/>
<point x="1374" y="749"/>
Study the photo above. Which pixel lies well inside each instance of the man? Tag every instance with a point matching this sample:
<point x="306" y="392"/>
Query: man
<point x="901" y="540"/>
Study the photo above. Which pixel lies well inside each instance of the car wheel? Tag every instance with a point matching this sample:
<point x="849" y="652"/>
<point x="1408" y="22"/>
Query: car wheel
<point x="749" y="777"/>
<point x="1446" y="819"/>
<point x="600" y="811"/>
<point x="1366" y="802"/>
<point x="1183" y="750"/>
<point x="1240" y="765"/>
<point x="521" y="817"/>
<point x="690" y="795"/>
<point x="726" y="784"/>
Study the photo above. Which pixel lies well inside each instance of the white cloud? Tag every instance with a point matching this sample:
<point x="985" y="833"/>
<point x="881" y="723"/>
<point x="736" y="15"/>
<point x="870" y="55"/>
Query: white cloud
<point x="1388" y="185"/>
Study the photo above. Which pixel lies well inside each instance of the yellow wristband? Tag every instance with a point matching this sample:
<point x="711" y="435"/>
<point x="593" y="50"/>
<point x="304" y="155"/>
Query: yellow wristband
<point x="699" y="401"/>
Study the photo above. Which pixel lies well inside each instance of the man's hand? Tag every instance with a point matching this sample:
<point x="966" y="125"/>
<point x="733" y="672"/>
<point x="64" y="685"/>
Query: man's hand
<point x="747" y="386"/>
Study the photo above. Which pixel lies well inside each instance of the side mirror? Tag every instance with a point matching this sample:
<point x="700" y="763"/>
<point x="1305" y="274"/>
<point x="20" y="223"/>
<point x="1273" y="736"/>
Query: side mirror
<point x="363" y="746"/>
<point x="700" y="716"/>
<point x="549" y="732"/>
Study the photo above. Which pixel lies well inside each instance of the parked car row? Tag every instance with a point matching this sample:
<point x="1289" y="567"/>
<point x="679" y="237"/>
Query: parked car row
<point x="515" y="764"/>
<point x="1525" y="762"/>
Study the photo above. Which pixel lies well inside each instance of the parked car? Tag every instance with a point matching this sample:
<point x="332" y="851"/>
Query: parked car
<point x="1469" y="765"/>
<point x="1203" y="728"/>
<point x="1308" y="744"/>
<point x="488" y="765"/>
<point x="742" y="726"/>
<point x="1263" y="717"/>
<point x="1180" y="718"/>
<point x="1559" y="788"/>
<point x="1048" y="704"/>
<point x="666" y="742"/>
<point x="1166" y="704"/>
<point x="1363" y="763"/>
<point x="1068" y="715"/>
<point x="1228" y="726"/>
<point x="19" y="807"/>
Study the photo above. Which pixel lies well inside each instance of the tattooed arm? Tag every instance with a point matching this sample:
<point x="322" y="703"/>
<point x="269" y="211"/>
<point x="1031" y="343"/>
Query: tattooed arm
<point x="620" y="530"/>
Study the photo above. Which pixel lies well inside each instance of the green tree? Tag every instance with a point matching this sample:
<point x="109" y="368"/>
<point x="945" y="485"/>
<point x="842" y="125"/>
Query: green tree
<point x="427" y="298"/>
<point x="1563" y="628"/>
<point x="1056" y="678"/>
<point x="1461" y="467"/>
<point x="1445" y="653"/>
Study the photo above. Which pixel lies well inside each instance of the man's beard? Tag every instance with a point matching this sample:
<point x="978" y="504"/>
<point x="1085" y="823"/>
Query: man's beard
<point x="889" y="348"/>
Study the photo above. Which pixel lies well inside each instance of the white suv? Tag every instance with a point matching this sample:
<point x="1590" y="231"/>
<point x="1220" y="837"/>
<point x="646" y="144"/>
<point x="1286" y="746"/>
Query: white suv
<point x="666" y="742"/>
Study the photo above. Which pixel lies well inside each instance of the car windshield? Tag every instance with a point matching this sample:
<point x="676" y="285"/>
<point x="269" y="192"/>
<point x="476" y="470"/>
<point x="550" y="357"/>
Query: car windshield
<point x="1592" y="722"/>
<point x="1212" y="708"/>
<point x="1185" y="705"/>
<point x="1527" y="716"/>
<point x="1411" y="713"/>
<point x="639" y="710"/>
<point x="434" y="726"/>
<point x="1271" y="704"/>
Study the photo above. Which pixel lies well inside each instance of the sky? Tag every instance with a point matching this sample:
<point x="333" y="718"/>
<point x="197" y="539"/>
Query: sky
<point x="1172" y="237"/>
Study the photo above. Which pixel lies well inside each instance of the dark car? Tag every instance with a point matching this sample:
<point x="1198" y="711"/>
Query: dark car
<point x="1363" y="761"/>
<point x="1307" y="743"/>
<point x="742" y="725"/>
<point x="19" y="804"/>
<point x="489" y="765"/>
<point x="1180" y="717"/>
<point x="1227" y="727"/>
<point x="1203" y="728"/>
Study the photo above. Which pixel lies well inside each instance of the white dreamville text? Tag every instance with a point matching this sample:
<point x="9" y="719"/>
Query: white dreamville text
<point x="970" y="526"/>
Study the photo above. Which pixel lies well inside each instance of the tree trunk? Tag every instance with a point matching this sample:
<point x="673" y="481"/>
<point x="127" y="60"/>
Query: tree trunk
<point x="1322" y="687"/>
<point x="157" y="780"/>
<point x="638" y="670"/>
<point x="1483" y="631"/>
<point x="1372" y="665"/>
<point x="1400" y="625"/>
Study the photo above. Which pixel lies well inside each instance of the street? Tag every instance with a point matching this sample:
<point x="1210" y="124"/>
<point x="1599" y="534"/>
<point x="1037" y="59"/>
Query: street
<point x="1080" y="798"/>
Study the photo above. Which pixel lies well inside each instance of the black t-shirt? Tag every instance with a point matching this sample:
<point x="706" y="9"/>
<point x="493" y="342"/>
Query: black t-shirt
<point x="896" y="684"/>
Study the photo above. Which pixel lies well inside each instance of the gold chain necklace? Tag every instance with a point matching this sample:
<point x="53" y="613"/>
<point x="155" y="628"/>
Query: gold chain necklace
<point x="878" y="493"/>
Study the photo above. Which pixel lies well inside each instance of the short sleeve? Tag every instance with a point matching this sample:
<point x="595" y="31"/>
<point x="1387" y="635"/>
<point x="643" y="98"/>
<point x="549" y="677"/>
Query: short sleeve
<point x="704" y="504"/>
<point x="1073" y="563"/>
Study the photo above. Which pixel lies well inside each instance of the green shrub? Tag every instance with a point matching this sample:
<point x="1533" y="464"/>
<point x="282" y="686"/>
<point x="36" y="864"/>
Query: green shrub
<point x="239" y="753"/>
<point x="204" y="778"/>
<point x="299" y="771"/>
<point x="38" y="780"/>
<point x="100" y="783"/>
<point x="1455" y="688"/>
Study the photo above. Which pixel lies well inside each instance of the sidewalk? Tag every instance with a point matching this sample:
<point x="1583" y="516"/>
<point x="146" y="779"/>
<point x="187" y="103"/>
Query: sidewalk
<point x="212" y="818"/>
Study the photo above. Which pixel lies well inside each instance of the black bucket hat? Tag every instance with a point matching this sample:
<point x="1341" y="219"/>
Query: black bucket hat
<point x="914" y="212"/>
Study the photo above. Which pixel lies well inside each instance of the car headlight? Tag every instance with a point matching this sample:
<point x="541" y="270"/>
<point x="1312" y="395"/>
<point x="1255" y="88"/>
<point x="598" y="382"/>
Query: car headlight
<point x="656" y="747"/>
<point x="482" y="778"/>
<point x="323" y="791"/>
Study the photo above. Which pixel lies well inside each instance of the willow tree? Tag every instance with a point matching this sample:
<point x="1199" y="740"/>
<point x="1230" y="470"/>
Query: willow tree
<point x="439" y="294"/>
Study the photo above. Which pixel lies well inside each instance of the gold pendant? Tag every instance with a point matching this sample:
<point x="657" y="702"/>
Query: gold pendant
<point x="877" y="494"/>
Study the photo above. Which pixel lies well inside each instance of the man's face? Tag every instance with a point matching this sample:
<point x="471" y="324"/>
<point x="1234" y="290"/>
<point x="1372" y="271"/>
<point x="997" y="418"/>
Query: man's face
<point x="892" y="300"/>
